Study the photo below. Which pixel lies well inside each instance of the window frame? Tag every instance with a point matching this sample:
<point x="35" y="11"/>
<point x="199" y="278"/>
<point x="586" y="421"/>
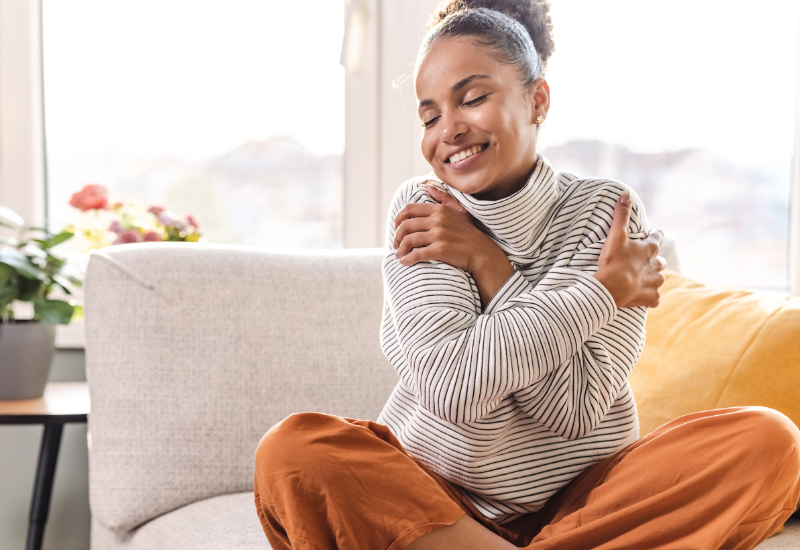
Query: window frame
<point x="23" y="185"/>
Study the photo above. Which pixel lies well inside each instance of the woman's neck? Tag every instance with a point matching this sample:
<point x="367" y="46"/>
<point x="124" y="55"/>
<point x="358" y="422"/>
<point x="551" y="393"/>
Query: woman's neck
<point x="513" y="184"/>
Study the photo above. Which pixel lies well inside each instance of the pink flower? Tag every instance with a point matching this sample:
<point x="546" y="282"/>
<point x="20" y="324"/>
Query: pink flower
<point x="192" y="221"/>
<point x="129" y="236"/>
<point x="152" y="237"/>
<point x="169" y="218"/>
<point x="156" y="209"/>
<point x="91" y="197"/>
<point x="115" y="227"/>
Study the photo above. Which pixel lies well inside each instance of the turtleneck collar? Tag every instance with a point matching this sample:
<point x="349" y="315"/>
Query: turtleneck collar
<point x="516" y="222"/>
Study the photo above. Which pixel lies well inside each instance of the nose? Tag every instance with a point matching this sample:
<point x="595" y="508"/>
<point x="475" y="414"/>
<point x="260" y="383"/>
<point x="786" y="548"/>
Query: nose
<point x="453" y="126"/>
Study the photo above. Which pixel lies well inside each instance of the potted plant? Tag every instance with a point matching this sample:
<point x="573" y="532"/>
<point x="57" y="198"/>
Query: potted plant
<point x="29" y="272"/>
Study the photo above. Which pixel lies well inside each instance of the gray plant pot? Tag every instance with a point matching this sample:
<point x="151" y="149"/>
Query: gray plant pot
<point x="26" y="353"/>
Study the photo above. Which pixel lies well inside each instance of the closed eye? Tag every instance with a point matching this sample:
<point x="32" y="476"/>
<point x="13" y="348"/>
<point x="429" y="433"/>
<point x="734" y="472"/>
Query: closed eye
<point x="425" y="124"/>
<point x="476" y="101"/>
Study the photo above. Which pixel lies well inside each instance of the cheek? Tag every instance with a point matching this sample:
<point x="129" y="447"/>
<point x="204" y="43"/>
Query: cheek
<point x="491" y="122"/>
<point x="428" y="145"/>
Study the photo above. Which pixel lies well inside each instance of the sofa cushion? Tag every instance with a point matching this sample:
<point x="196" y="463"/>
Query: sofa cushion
<point x="224" y="522"/>
<point x="709" y="347"/>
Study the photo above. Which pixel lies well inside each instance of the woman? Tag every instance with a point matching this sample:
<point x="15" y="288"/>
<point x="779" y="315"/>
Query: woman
<point x="515" y="306"/>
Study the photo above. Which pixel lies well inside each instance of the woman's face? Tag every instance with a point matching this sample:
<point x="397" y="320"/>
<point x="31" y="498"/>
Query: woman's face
<point x="479" y="134"/>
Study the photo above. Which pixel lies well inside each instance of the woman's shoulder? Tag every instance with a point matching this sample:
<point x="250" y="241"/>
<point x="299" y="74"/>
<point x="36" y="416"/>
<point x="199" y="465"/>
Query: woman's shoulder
<point x="599" y="195"/>
<point x="413" y="190"/>
<point x="584" y="187"/>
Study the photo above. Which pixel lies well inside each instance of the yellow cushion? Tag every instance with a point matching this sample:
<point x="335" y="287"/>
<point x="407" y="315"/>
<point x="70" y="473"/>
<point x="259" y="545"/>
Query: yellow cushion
<point x="710" y="347"/>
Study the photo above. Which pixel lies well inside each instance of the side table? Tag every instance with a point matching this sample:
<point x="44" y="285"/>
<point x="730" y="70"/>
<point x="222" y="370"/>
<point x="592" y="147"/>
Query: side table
<point x="62" y="402"/>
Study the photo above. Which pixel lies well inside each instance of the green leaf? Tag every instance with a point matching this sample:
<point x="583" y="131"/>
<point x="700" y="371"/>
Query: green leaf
<point x="28" y="289"/>
<point x="11" y="216"/>
<point x="19" y="261"/>
<point x="53" y="312"/>
<point x="8" y="294"/>
<point x="58" y="239"/>
<point x="31" y="251"/>
<point x="5" y="274"/>
<point x="64" y="283"/>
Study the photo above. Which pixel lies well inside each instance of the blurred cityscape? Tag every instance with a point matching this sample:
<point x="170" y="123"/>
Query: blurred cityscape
<point x="271" y="193"/>
<point x="730" y="222"/>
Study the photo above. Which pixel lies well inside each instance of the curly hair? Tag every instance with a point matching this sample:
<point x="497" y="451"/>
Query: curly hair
<point x="520" y="31"/>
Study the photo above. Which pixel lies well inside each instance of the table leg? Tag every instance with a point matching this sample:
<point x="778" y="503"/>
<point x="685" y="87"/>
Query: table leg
<point x="45" y="472"/>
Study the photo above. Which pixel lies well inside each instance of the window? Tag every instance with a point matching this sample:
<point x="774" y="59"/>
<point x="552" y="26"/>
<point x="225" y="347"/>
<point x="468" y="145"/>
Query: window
<point x="232" y="111"/>
<point x="692" y="103"/>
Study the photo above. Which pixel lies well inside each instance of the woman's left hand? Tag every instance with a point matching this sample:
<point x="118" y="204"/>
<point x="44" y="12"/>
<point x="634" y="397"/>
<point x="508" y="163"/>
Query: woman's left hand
<point x="446" y="232"/>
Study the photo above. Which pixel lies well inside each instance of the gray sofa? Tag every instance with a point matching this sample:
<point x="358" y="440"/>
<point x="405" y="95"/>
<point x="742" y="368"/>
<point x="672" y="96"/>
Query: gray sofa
<point x="193" y="352"/>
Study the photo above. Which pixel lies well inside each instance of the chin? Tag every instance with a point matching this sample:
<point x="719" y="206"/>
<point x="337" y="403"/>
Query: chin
<point x="469" y="184"/>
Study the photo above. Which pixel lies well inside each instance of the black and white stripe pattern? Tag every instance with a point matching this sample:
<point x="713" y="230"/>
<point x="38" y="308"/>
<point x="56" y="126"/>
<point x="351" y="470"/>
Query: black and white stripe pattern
<point x="512" y="401"/>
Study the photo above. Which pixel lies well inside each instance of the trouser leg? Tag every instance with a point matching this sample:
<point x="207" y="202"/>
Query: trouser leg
<point x="322" y="481"/>
<point x="717" y="479"/>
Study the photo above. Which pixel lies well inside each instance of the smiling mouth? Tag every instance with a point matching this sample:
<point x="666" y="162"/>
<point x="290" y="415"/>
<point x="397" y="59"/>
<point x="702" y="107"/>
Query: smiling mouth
<point x="467" y="153"/>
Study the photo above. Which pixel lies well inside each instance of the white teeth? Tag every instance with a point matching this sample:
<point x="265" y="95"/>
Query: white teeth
<point x="468" y="153"/>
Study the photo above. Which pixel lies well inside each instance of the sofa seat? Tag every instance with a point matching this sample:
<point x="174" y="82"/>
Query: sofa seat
<point x="227" y="522"/>
<point x="230" y="522"/>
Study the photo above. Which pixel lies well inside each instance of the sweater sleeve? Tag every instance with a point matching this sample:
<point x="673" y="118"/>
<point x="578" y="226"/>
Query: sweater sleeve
<point x="459" y="361"/>
<point x="574" y="398"/>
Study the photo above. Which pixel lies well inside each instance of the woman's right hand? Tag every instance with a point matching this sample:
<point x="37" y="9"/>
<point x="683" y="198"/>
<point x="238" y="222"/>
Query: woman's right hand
<point x="630" y="269"/>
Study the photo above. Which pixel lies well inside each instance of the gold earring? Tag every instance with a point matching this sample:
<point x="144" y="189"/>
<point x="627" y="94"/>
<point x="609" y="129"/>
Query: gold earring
<point x="539" y="119"/>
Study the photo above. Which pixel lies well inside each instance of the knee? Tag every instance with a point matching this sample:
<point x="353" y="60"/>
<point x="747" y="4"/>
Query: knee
<point x="771" y="436"/>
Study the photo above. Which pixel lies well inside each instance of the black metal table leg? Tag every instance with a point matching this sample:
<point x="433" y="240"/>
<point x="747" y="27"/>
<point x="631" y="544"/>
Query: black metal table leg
<point x="43" y="488"/>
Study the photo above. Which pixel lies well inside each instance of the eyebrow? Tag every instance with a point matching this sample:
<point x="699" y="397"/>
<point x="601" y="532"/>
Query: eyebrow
<point x="461" y="83"/>
<point x="456" y="87"/>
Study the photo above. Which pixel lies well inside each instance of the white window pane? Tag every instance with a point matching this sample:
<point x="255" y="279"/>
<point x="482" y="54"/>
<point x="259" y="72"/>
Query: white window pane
<point x="692" y="103"/>
<point x="232" y="110"/>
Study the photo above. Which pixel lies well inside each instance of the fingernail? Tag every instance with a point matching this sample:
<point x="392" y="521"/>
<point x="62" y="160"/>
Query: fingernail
<point x="625" y="197"/>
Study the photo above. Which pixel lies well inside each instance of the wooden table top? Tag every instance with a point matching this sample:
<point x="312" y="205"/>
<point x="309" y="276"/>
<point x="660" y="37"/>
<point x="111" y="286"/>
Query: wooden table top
<point x="62" y="402"/>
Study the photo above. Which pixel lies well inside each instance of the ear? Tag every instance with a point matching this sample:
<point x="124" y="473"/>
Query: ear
<point x="539" y="97"/>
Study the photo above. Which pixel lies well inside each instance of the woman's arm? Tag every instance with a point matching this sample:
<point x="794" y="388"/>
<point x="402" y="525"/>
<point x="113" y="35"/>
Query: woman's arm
<point x="461" y="359"/>
<point x="447" y="233"/>
<point x="460" y="363"/>
<point x="630" y="269"/>
<point x="534" y="343"/>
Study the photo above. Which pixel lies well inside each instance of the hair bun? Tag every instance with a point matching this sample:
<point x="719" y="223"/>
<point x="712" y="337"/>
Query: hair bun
<point x="534" y="15"/>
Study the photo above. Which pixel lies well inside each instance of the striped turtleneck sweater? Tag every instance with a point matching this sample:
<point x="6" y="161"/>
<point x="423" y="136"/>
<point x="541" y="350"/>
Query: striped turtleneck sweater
<point x="513" y="401"/>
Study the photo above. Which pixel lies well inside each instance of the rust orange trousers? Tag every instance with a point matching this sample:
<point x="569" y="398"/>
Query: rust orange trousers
<point x="722" y="479"/>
